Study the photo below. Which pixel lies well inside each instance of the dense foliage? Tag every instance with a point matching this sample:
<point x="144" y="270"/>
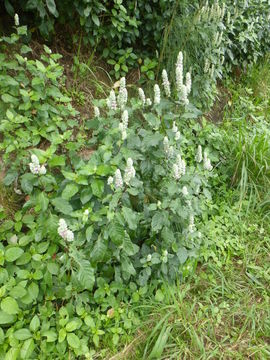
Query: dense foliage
<point x="113" y="201"/>
<point x="216" y="37"/>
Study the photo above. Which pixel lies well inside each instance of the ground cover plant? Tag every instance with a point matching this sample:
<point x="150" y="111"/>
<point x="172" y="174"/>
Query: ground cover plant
<point x="139" y="231"/>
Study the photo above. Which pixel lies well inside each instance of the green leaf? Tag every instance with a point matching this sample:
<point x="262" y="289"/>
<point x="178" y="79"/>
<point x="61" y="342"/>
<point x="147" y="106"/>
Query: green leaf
<point x="97" y="187"/>
<point x="95" y="19"/>
<point x="43" y="201"/>
<point x="33" y="290"/>
<point x="13" y="254"/>
<point x="27" y="182"/>
<point x="159" y="295"/>
<point x="73" y="341"/>
<point x="167" y="236"/>
<point x="57" y="160"/>
<point x="6" y="318"/>
<point x="10" y="306"/>
<point x="62" y="335"/>
<point x="27" y="349"/>
<point x="62" y="206"/>
<point x="130" y="217"/>
<point x="34" y="324"/>
<point x="22" y="334"/>
<point x="117" y="233"/>
<point x="53" y="268"/>
<point x="69" y="191"/>
<point x="72" y="325"/>
<point x="159" y="220"/>
<point x="99" y="250"/>
<point x="50" y="335"/>
<point x="52" y="7"/>
<point x="86" y="275"/>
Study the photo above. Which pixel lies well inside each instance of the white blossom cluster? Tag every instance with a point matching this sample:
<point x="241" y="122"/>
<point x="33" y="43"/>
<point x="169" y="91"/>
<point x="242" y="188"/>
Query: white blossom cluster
<point x="191" y="226"/>
<point x="198" y="156"/>
<point x="124" y="124"/>
<point x="129" y="174"/>
<point x="129" y="171"/>
<point x="16" y="20"/>
<point x="96" y="111"/>
<point x="206" y="162"/>
<point x="185" y="191"/>
<point x="183" y="90"/>
<point x="148" y="102"/>
<point x="122" y="94"/>
<point x="169" y="150"/>
<point x="176" y="131"/>
<point x="215" y="12"/>
<point x="35" y="167"/>
<point x="64" y="232"/>
<point x="142" y="96"/>
<point x="166" y="83"/>
<point x="179" y="168"/>
<point x="111" y="101"/>
<point x="118" y="180"/>
<point x="156" y="94"/>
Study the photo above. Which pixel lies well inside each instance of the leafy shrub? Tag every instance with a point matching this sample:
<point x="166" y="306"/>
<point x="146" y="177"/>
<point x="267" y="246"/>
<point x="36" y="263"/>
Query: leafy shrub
<point x="216" y="36"/>
<point x="120" y="31"/>
<point x="107" y="206"/>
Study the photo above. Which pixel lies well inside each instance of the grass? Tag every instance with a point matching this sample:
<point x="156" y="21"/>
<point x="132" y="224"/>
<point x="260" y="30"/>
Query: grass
<point x="221" y="312"/>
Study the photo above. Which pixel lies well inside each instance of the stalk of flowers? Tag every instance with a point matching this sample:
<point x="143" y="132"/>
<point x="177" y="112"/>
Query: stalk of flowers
<point x="16" y="20"/>
<point x="179" y="72"/>
<point x="124" y="124"/>
<point x="35" y="167"/>
<point x="179" y="168"/>
<point x="129" y="171"/>
<point x="191" y="226"/>
<point x="111" y="101"/>
<point x="156" y="94"/>
<point x="142" y="96"/>
<point x="118" y="180"/>
<point x="176" y="131"/>
<point x="123" y="94"/>
<point x="199" y="156"/>
<point x="206" y="162"/>
<point x="64" y="231"/>
<point x="188" y="82"/>
<point x="166" y="83"/>
<point x="148" y="102"/>
<point x="184" y="94"/>
<point x="96" y="111"/>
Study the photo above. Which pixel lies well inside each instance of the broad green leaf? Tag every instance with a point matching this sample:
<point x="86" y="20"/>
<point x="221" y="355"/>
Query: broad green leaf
<point x="73" y="341"/>
<point x="52" y="7"/>
<point x="69" y="191"/>
<point x="33" y="289"/>
<point x="98" y="251"/>
<point x="10" y="306"/>
<point x="62" y="335"/>
<point x="34" y="324"/>
<point x="13" y="254"/>
<point x="22" y="334"/>
<point x="97" y="187"/>
<point x="86" y="275"/>
<point x="117" y="233"/>
<point x="95" y="19"/>
<point x="72" y="325"/>
<point x="50" y="335"/>
<point x="27" y="349"/>
<point x="130" y="217"/>
<point x="6" y="318"/>
<point x="62" y="206"/>
<point x="159" y="220"/>
<point x="159" y="295"/>
<point x="53" y="268"/>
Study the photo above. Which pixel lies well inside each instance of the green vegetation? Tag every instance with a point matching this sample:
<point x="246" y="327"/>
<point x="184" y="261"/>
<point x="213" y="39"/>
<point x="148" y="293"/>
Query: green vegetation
<point x="132" y="226"/>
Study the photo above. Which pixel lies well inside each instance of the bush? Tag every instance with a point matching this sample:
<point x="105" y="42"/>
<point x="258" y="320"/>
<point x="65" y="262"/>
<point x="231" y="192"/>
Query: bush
<point x="120" y="31"/>
<point x="106" y="206"/>
<point x="216" y="37"/>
